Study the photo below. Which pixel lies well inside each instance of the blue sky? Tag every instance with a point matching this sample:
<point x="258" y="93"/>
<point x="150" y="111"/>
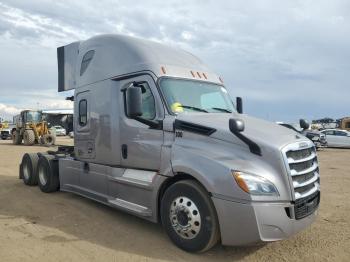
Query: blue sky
<point x="287" y="59"/>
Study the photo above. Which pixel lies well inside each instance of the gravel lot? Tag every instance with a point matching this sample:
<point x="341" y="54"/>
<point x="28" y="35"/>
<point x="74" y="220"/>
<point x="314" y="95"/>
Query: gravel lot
<point x="64" y="227"/>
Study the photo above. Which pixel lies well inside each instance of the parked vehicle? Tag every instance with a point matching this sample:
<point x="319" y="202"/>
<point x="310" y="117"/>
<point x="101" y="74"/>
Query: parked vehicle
<point x="158" y="135"/>
<point x="5" y="130"/>
<point x="337" y="137"/>
<point x="318" y="138"/>
<point x="31" y="129"/>
<point x="60" y="131"/>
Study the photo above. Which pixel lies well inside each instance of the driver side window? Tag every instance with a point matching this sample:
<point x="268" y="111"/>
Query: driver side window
<point x="148" y="103"/>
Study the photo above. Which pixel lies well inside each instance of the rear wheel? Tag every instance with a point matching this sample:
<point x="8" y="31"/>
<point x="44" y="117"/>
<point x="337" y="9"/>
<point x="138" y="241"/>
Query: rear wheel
<point x="16" y="138"/>
<point x="189" y="216"/>
<point x="48" y="174"/>
<point x="49" y="139"/>
<point x="28" y="171"/>
<point x="29" y="137"/>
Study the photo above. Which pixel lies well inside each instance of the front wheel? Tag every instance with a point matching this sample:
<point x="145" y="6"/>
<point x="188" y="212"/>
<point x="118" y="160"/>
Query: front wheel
<point x="188" y="216"/>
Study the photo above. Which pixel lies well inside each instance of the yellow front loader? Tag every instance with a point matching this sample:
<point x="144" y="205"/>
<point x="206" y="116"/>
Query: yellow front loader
<point x="32" y="129"/>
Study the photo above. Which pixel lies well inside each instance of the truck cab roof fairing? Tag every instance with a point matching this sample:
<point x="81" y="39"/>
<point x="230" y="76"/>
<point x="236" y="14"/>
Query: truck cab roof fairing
<point x="117" y="55"/>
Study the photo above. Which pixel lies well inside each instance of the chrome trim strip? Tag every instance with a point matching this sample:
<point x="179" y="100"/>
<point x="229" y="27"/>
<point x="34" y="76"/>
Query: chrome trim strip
<point x="310" y="192"/>
<point x="292" y="161"/>
<point x="305" y="171"/>
<point x="296" y="184"/>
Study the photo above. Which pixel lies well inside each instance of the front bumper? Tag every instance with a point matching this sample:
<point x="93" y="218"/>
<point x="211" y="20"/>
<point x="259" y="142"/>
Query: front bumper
<point x="251" y="223"/>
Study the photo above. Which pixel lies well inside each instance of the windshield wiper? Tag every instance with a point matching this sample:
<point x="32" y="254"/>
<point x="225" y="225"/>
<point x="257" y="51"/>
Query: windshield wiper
<point x="222" y="109"/>
<point x="194" y="108"/>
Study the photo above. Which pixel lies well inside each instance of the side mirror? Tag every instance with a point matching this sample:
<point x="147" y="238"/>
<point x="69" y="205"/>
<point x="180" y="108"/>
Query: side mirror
<point x="304" y="124"/>
<point x="239" y="104"/>
<point x="236" y="125"/>
<point x="134" y="101"/>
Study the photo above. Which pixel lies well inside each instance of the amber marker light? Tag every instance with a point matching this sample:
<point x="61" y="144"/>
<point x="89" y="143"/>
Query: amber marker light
<point x="163" y="70"/>
<point x="240" y="181"/>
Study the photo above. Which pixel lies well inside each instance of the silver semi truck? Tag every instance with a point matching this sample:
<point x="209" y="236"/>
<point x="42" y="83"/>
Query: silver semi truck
<point x="157" y="135"/>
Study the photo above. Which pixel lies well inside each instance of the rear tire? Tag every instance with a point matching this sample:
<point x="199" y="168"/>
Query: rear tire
<point x="29" y="137"/>
<point x="189" y="217"/>
<point x="49" y="139"/>
<point x="16" y="138"/>
<point x="28" y="170"/>
<point x="47" y="172"/>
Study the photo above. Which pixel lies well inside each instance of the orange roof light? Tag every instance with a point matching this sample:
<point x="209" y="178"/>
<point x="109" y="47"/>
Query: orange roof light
<point x="193" y="74"/>
<point x="163" y="70"/>
<point x="199" y="75"/>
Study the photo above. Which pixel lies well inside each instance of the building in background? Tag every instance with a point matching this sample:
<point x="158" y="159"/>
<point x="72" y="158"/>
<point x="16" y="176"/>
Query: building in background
<point x="59" y="117"/>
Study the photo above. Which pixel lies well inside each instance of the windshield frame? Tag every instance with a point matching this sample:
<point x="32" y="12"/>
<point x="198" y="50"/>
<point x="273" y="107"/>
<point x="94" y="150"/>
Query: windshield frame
<point x="191" y="80"/>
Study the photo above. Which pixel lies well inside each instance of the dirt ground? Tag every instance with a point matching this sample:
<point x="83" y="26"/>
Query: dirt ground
<point x="64" y="227"/>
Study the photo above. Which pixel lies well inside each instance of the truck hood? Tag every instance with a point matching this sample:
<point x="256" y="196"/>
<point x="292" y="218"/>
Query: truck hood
<point x="267" y="135"/>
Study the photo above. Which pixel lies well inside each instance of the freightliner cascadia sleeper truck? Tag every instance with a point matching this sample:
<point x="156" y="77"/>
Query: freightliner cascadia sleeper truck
<point x="156" y="134"/>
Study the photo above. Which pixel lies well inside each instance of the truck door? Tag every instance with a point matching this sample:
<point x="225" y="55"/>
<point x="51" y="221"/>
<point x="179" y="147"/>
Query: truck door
<point x="140" y="144"/>
<point x="92" y="177"/>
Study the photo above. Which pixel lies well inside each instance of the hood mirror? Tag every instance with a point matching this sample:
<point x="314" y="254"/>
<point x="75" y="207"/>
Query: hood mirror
<point x="236" y="125"/>
<point x="304" y="124"/>
<point x="239" y="105"/>
<point x="134" y="100"/>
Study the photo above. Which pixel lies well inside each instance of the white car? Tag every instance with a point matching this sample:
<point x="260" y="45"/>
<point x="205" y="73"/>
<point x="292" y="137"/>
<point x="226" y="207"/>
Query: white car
<point x="60" y="131"/>
<point x="337" y="137"/>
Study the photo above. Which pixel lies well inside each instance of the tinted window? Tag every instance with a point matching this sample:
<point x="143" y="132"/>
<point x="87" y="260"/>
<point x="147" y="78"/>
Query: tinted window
<point x="340" y="133"/>
<point x="86" y="61"/>
<point x="329" y="132"/>
<point x="82" y="112"/>
<point x="148" y="104"/>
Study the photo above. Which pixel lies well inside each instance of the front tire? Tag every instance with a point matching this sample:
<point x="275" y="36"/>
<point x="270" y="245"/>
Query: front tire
<point x="29" y="137"/>
<point x="47" y="172"/>
<point x="189" y="217"/>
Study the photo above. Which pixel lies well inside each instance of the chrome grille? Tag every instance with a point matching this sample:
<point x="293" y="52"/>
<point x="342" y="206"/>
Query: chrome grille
<point x="302" y="165"/>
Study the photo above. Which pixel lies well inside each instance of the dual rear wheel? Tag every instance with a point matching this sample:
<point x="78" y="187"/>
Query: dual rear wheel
<point x="40" y="170"/>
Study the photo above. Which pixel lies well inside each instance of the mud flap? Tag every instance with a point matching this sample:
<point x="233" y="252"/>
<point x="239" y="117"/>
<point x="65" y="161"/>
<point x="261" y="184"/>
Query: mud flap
<point x="20" y="171"/>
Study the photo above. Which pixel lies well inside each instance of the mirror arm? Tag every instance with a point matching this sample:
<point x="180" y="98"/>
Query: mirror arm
<point x="154" y="124"/>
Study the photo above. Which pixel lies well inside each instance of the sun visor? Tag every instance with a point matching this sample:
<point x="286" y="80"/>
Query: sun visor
<point x="67" y="58"/>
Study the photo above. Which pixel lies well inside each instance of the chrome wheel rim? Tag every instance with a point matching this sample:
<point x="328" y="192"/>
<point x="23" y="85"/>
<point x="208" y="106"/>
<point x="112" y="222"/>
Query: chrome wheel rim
<point x="42" y="176"/>
<point x="185" y="217"/>
<point x="26" y="171"/>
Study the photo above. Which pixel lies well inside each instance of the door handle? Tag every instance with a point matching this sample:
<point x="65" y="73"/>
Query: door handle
<point x="86" y="167"/>
<point x="124" y="151"/>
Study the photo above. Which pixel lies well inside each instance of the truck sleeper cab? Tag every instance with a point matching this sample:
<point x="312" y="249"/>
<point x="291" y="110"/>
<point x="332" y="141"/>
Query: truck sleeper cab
<point x="157" y="135"/>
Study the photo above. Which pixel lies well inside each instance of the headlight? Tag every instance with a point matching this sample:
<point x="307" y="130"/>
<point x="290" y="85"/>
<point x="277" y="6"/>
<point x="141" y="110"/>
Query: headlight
<point x="254" y="185"/>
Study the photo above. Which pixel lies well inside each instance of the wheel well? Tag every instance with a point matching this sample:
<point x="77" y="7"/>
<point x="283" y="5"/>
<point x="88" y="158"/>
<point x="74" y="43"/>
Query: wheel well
<point x="170" y="181"/>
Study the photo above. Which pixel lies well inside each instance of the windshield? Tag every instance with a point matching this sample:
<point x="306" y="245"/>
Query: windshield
<point x="194" y="96"/>
<point x="33" y="116"/>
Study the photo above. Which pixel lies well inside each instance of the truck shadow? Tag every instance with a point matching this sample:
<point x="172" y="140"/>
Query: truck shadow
<point x="70" y="218"/>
